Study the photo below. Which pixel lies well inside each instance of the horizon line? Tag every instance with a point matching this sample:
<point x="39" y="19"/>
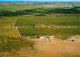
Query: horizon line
<point x="39" y="1"/>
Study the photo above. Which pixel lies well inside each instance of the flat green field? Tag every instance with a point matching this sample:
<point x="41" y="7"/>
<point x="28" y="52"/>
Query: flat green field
<point x="17" y="7"/>
<point x="57" y="25"/>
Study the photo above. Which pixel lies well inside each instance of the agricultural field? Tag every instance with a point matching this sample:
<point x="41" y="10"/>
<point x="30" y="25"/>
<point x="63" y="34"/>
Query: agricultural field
<point x="58" y="25"/>
<point x="9" y="38"/>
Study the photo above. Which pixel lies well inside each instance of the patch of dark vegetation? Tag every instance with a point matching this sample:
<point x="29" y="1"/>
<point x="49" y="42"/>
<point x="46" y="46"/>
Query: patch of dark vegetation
<point x="42" y="11"/>
<point x="40" y="15"/>
<point x="72" y="40"/>
<point x="73" y="10"/>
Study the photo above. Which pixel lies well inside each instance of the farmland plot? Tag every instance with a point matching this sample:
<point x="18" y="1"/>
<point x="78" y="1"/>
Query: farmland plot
<point x="57" y="25"/>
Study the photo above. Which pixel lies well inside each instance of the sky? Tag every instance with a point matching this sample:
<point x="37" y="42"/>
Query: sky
<point x="40" y="0"/>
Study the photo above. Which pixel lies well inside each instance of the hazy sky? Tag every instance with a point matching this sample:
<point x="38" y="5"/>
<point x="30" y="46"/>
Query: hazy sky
<point x="39" y="0"/>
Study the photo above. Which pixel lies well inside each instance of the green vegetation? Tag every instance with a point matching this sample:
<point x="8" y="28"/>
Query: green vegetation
<point x="36" y="19"/>
<point x="49" y="25"/>
<point x="38" y="9"/>
<point x="8" y="44"/>
<point x="42" y="11"/>
<point x="31" y="20"/>
<point x="9" y="39"/>
<point x="14" y="8"/>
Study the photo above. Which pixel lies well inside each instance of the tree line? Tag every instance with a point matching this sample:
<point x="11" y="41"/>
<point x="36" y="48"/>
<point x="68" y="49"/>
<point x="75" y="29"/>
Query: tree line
<point x="74" y="10"/>
<point x="41" y="11"/>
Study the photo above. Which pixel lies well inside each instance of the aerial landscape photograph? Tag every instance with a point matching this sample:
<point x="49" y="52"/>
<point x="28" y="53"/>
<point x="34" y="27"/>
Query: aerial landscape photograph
<point x="39" y="28"/>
